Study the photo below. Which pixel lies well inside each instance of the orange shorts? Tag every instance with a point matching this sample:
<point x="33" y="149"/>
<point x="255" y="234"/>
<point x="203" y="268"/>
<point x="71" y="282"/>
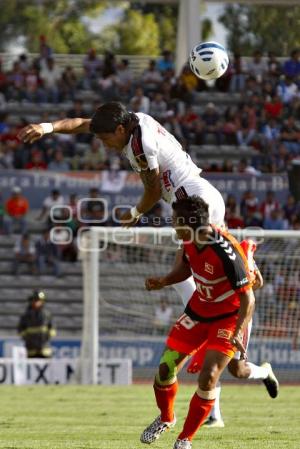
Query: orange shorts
<point x="188" y="336"/>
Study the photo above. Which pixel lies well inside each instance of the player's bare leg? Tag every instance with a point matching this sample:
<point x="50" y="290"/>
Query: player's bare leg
<point x="203" y="400"/>
<point x="185" y="290"/>
<point x="215" y="420"/>
<point x="165" y="389"/>
<point x="241" y="369"/>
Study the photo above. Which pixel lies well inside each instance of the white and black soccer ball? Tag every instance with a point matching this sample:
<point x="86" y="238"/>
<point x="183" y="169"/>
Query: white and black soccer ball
<point x="209" y="60"/>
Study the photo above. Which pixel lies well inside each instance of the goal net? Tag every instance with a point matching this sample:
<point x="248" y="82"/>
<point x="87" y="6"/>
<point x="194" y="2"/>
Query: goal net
<point x="122" y="319"/>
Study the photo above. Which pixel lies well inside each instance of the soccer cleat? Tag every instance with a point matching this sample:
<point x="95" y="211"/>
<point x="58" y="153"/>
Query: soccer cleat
<point x="154" y="431"/>
<point x="271" y="383"/>
<point x="214" y="423"/>
<point x="183" y="444"/>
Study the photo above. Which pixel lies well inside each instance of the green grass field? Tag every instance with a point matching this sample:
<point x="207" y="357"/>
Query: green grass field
<point x="113" y="417"/>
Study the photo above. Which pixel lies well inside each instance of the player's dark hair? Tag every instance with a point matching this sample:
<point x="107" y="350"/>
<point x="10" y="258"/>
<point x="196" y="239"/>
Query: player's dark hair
<point x="109" y="115"/>
<point x="192" y="211"/>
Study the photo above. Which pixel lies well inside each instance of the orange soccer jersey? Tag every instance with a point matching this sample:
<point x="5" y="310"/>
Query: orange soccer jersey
<point x="220" y="270"/>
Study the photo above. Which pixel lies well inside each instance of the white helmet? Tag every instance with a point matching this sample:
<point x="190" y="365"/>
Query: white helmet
<point x="209" y="60"/>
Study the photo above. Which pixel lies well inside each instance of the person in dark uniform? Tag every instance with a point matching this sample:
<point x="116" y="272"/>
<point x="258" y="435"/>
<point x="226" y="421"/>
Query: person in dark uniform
<point x="36" y="328"/>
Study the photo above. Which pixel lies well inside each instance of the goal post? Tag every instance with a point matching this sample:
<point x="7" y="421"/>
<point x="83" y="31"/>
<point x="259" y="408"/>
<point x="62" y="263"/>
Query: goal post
<point x="88" y="362"/>
<point x="121" y="318"/>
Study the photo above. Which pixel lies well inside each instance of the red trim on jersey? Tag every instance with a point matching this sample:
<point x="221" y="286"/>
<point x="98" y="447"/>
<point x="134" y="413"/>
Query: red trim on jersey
<point x="136" y="142"/>
<point x="181" y="193"/>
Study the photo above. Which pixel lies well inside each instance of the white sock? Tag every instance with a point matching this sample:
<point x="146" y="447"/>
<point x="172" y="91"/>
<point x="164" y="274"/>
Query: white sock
<point x="257" y="372"/>
<point x="215" y="411"/>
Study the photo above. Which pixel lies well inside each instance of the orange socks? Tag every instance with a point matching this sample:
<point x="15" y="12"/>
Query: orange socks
<point x="165" y="398"/>
<point x="198" y="412"/>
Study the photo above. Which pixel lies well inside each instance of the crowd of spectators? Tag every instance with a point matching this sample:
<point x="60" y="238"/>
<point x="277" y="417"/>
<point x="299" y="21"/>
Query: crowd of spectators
<point x="62" y="217"/>
<point x="74" y="212"/>
<point x="268" y="214"/>
<point x="265" y="115"/>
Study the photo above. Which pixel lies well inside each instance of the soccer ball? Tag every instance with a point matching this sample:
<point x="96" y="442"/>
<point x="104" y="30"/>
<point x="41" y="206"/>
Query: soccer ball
<point x="209" y="60"/>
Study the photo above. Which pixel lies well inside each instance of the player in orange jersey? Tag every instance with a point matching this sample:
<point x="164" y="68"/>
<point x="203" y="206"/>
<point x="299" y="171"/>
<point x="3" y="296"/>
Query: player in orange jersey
<point x="214" y="319"/>
<point x="239" y="367"/>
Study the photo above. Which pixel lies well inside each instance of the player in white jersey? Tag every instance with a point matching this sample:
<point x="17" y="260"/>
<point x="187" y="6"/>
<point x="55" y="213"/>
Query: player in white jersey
<point x="165" y="169"/>
<point x="152" y="147"/>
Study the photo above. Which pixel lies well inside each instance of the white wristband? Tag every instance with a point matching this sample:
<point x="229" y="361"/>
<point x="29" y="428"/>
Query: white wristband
<point x="135" y="213"/>
<point x="47" y="128"/>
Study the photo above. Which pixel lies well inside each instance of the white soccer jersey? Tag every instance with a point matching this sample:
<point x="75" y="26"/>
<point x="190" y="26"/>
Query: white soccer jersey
<point x="161" y="150"/>
<point x="179" y="175"/>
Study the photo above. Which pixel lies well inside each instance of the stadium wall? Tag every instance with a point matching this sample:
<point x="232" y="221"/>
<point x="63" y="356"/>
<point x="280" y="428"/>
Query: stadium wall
<point x="145" y="353"/>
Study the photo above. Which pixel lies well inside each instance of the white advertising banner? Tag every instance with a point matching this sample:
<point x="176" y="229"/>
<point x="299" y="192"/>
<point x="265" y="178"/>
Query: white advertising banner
<point x="21" y="371"/>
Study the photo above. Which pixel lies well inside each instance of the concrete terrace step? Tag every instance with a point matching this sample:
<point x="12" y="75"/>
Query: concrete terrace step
<point x="44" y="282"/>
<point x="56" y="309"/>
<point x="56" y="295"/>
<point x="202" y="98"/>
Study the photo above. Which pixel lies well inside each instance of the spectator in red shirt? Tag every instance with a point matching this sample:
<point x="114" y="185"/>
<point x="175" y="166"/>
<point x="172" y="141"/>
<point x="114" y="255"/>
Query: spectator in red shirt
<point x="3" y="79"/>
<point x="273" y="107"/>
<point x="268" y="205"/>
<point x="37" y="162"/>
<point x="232" y="217"/>
<point x="249" y="203"/>
<point x="16" y="207"/>
<point x="234" y="221"/>
<point x="9" y="134"/>
<point x="230" y="126"/>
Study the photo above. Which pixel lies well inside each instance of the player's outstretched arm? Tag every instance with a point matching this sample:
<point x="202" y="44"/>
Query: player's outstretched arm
<point x="151" y="195"/>
<point x="152" y="189"/>
<point x="247" y="302"/>
<point x="33" y="132"/>
<point x="259" y="280"/>
<point x="181" y="272"/>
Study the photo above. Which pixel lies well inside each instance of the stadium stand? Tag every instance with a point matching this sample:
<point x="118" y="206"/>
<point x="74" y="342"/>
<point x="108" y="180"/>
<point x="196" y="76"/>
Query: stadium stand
<point x="64" y="295"/>
<point x="248" y="123"/>
<point x="256" y="108"/>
